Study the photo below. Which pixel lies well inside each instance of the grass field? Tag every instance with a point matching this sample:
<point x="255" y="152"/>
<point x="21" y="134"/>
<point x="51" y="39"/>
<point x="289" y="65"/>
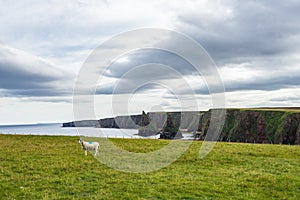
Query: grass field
<point x="282" y="109"/>
<point x="51" y="167"/>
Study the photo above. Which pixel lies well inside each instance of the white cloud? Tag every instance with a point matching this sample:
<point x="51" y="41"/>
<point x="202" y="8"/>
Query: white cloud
<point x="255" y="98"/>
<point x="18" y="111"/>
<point x="254" y="43"/>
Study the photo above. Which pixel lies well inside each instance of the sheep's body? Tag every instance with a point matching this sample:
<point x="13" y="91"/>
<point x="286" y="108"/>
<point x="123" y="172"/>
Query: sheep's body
<point x="89" y="146"/>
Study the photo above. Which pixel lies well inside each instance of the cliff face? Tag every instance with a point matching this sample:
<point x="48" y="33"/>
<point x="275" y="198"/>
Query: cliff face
<point x="126" y="122"/>
<point x="170" y="129"/>
<point x="241" y="125"/>
<point x="252" y="126"/>
<point x="160" y="122"/>
<point x="83" y="123"/>
<point x="257" y="126"/>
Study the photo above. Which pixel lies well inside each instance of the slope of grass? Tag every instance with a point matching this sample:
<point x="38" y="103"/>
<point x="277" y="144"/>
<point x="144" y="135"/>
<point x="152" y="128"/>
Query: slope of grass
<point x="49" y="167"/>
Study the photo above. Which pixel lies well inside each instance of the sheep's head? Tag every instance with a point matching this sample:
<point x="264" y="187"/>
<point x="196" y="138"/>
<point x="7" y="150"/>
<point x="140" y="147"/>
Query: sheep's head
<point x="80" y="141"/>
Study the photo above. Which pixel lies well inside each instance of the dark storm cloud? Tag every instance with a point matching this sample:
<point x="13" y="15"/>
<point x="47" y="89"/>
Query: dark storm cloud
<point x="126" y="87"/>
<point x="251" y="28"/>
<point x="145" y="75"/>
<point x="266" y="84"/>
<point x="262" y="33"/>
<point x="22" y="74"/>
<point x="146" y="56"/>
<point x="144" y="70"/>
<point x="266" y="79"/>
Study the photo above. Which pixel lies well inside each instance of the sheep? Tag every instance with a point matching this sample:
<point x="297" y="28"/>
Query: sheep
<point x="92" y="146"/>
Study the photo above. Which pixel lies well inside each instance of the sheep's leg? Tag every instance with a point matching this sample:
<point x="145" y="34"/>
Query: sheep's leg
<point x="96" y="152"/>
<point x="85" y="152"/>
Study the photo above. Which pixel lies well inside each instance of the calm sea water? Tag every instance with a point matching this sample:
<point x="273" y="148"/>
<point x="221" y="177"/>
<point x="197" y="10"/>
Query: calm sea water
<point x="56" y="129"/>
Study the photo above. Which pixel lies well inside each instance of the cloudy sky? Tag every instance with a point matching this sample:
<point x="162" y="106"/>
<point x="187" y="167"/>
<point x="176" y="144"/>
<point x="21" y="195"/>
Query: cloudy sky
<point x="43" y="45"/>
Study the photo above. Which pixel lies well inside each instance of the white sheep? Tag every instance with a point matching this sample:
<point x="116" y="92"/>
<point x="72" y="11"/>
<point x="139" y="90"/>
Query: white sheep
<point x="91" y="146"/>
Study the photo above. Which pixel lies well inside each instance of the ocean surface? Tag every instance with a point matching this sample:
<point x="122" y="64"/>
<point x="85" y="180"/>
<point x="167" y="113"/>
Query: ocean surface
<point x="57" y="129"/>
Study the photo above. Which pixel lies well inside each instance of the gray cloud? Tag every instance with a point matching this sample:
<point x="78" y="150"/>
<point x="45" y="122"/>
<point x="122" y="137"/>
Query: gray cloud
<point x="146" y="56"/>
<point x="262" y="33"/>
<point x="48" y="99"/>
<point x="266" y="35"/>
<point x="256" y="45"/>
<point x="245" y="30"/>
<point x="141" y="77"/>
<point x="286" y="98"/>
<point x="22" y="74"/>
<point x="266" y="83"/>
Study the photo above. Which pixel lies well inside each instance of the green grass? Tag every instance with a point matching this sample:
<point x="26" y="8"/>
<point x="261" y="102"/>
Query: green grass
<point x="51" y="167"/>
<point x="282" y="109"/>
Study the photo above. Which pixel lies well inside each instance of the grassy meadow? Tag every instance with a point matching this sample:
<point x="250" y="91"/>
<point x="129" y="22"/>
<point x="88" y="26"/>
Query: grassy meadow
<point x="54" y="167"/>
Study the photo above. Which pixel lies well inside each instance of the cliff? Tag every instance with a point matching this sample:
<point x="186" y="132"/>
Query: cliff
<point x="83" y="123"/>
<point x="167" y="124"/>
<point x="256" y="126"/>
<point x="267" y="125"/>
<point x="279" y="126"/>
<point x="261" y="126"/>
<point x="126" y="122"/>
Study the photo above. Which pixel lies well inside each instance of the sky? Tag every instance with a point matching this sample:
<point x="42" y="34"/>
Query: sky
<point x="44" y="44"/>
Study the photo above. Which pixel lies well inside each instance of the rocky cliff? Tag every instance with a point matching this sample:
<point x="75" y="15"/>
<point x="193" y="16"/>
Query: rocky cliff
<point x="268" y="125"/>
<point x="256" y="126"/>
<point x="279" y="126"/>
<point x="83" y="123"/>
<point x="167" y="124"/>
<point x="126" y="122"/>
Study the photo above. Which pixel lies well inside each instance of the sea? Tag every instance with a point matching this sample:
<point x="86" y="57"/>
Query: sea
<point x="57" y="129"/>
